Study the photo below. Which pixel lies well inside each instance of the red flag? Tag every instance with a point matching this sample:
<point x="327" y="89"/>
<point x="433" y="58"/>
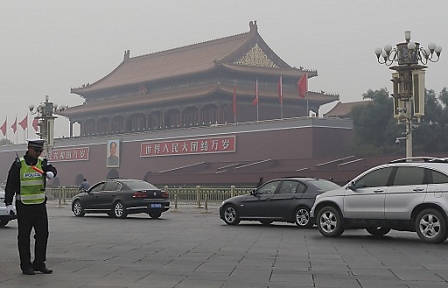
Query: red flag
<point x="35" y="124"/>
<point x="24" y="122"/>
<point x="303" y="86"/>
<point x="3" y="127"/>
<point x="280" y="89"/>
<point x="234" y="100"/>
<point x="14" y="126"/>
<point x="255" y="101"/>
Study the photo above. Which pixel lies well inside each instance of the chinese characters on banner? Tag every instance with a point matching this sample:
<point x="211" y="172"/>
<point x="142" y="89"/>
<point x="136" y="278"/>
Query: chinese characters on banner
<point x="189" y="146"/>
<point x="70" y="154"/>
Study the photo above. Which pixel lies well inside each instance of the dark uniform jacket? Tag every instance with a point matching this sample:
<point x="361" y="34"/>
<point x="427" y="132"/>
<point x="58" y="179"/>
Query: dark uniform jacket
<point x="13" y="181"/>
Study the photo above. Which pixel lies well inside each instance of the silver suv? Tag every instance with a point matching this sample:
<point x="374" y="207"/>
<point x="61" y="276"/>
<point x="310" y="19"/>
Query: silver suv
<point x="405" y="194"/>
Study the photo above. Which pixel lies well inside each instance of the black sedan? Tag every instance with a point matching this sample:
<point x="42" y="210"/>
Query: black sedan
<point x="284" y="199"/>
<point x="120" y="197"/>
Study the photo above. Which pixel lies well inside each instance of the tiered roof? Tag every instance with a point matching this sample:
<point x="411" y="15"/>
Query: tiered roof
<point x="342" y="110"/>
<point x="234" y="53"/>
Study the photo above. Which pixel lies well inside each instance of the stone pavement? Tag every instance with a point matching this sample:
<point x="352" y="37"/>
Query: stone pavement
<point x="191" y="248"/>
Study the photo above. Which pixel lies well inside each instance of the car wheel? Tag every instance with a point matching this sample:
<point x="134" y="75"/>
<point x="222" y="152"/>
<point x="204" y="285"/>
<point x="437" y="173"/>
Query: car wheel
<point x="155" y="214"/>
<point x="120" y="210"/>
<point x="77" y="209"/>
<point x="431" y="226"/>
<point x="3" y="222"/>
<point x="329" y="222"/>
<point x="266" y="222"/>
<point x="231" y="216"/>
<point x="302" y="217"/>
<point x="378" y="231"/>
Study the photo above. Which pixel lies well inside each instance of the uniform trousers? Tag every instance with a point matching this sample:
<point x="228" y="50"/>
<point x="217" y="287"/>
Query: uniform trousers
<point x="32" y="216"/>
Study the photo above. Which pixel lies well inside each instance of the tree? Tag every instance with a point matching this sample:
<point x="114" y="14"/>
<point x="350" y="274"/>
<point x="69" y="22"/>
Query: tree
<point x="5" y="141"/>
<point x="374" y="126"/>
<point x="431" y="136"/>
<point x="376" y="129"/>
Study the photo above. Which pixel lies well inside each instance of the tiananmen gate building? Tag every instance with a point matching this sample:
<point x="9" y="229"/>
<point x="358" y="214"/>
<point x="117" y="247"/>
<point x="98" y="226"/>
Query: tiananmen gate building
<point x="221" y="112"/>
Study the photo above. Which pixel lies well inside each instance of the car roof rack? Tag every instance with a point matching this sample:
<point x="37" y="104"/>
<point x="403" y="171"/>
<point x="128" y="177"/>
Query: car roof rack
<point x="439" y="160"/>
<point x="420" y="159"/>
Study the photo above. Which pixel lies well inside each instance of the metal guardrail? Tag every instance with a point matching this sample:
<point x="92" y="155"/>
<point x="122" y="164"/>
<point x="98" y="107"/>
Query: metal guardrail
<point x="198" y="196"/>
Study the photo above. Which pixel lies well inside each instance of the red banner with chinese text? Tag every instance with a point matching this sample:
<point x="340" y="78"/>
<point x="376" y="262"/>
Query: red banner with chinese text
<point x="204" y="145"/>
<point x="69" y="154"/>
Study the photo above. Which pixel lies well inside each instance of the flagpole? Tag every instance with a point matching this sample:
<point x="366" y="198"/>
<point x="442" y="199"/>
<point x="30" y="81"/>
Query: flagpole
<point x="257" y="111"/>
<point x="307" y="109"/>
<point x="6" y="127"/>
<point x="17" y="137"/>
<point x="281" y="96"/>
<point x="258" y="100"/>
<point x="27" y="122"/>
<point x="234" y="102"/>
<point x="303" y="90"/>
<point x="281" y="111"/>
<point x="306" y="95"/>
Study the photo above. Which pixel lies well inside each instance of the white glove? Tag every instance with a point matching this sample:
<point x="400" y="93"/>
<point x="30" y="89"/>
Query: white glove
<point x="50" y="175"/>
<point x="10" y="208"/>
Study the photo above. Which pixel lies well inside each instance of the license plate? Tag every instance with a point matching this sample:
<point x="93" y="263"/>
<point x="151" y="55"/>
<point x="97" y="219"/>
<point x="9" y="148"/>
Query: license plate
<point x="156" y="205"/>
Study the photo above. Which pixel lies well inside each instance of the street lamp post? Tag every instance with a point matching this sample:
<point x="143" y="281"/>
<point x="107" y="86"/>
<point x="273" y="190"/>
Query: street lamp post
<point x="408" y="80"/>
<point x="45" y="115"/>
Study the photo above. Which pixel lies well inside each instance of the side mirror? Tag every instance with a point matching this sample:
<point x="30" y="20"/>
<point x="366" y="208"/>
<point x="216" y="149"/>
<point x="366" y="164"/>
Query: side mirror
<point x="351" y="186"/>
<point x="254" y="192"/>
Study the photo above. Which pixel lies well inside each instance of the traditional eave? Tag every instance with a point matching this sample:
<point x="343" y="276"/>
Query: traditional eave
<point x="342" y="110"/>
<point x="263" y="71"/>
<point x="189" y="60"/>
<point x="166" y="64"/>
<point x="245" y="91"/>
<point x="140" y="100"/>
<point x="244" y="94"/>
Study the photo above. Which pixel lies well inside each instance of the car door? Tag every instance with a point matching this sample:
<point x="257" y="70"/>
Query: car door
<point x="437" y="187"/>
<point x="91" y="199"/>
<point x="285" y="200"/>
<point x="366" y="200"/>
<point x="258" y="204"/>
<point x="108" y="195"/>
<point x="408" y="189"/>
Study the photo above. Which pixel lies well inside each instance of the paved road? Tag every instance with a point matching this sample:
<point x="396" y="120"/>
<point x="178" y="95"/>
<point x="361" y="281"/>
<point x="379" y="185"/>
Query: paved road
<point x="195" y="249"/>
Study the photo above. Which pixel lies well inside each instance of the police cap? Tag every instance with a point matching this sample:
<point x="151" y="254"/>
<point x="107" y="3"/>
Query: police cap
<point x="37" y="144"/>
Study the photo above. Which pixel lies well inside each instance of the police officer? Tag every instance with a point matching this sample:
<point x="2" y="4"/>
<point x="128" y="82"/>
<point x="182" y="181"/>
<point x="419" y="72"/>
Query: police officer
<point x="26" y="179"/>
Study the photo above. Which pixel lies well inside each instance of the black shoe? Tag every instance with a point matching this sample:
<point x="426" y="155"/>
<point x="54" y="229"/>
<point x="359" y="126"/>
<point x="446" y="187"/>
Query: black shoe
<point x="28" y="271"/>
<point x="44" y="270"/>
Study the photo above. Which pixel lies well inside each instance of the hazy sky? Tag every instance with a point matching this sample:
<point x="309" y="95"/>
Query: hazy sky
<point x="49" y="46"/>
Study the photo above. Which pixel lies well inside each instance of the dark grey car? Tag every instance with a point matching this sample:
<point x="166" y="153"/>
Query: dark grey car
<point x="120" y="197"/>
<point x="284" y="199"/>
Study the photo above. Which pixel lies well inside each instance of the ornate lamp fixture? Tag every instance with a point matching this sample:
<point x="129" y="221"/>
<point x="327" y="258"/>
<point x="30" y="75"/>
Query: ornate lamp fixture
<point x="408" y="53"/>
<point x="45" y="115"/>
<point x="408" y="80"/>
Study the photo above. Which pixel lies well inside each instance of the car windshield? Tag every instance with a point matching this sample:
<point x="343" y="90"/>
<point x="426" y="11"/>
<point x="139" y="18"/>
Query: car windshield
<point x="140" y="185"/>
<point x="324" y="185"/>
